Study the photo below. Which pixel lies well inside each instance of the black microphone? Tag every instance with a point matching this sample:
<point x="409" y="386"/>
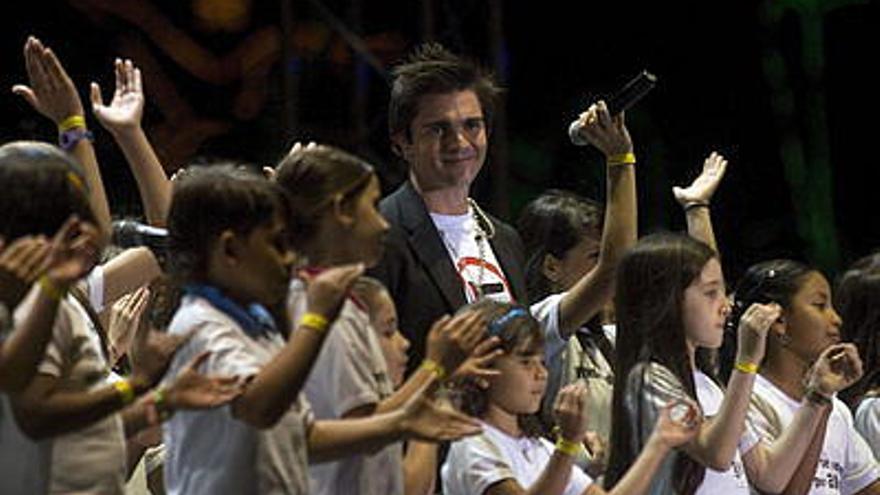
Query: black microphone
<point x="623" y="99"/>
<point x="129" y="233"/>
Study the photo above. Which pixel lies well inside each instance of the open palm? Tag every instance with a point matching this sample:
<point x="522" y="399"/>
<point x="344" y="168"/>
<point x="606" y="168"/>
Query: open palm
<point x="74" y="251"/>
<point x="127" y="107"/>
<point x="704" y="186"/>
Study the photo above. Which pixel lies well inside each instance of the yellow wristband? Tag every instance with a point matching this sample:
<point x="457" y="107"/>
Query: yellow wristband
<point x="72" y="122"/>
<point x="125" y="390"/>
<point x="50" y="289"/>
<point x="314" y="321"/>
<point x="434" y="367"/>
<point x="161" y="403"/>
<point x="750" y="368"/>
<point x="621" y="159"/>
<point x="567" y="447"/>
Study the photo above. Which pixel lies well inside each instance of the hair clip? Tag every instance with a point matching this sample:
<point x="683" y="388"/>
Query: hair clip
<point x="498" y="324"/>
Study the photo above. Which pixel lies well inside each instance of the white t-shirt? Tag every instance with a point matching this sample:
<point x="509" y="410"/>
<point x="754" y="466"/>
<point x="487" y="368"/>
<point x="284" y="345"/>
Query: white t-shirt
<point x="846" y="464"/>
<point x="89" y="460"/>
<point x="476" y="463"/>
<point x="734" y="480"/>
<point x="350" y="372"/>
<point x="567" y="361"/>
<point x="474" y="259"/>
<point x="210" y="451"/>
<point x="868" y="422"/>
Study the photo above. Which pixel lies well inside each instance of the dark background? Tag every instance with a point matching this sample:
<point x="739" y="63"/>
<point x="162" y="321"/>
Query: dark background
<point x="783" y="89"/>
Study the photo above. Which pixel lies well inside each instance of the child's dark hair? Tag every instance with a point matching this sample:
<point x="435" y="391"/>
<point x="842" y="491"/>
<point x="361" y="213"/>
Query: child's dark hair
<point x="857" y="298"/>
<point x="209" y="200"/>
<point x="554" y="223"/>
<point x="518" y="331"/>
<point x="312" y="178"/>
<point x="42" y="187"/>
<point x="651" y="281"/>
<point x="769" y="281"/>
<point x="432" y="69"/>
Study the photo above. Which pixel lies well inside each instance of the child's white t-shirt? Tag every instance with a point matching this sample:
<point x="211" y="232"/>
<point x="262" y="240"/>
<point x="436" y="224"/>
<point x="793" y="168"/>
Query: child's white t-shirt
<point x="567" y="361"/>
<point x="846" y="463"/>
<point x="350" y="372"/>
<point x="89" y="460"/>
<point x="868" y="422"/>
<point x="211" y="452"/>
<point x="733" y="481"/>
<point x="476" y="463"/>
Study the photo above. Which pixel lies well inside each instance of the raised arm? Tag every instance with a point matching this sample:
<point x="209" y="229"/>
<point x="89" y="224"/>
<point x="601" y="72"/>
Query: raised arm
<point x="52" y="94"/>
<point x="70" y="255"/>
<point x="271" y="392"/>
<point x="132" y="268"/>
<point x="122" y="118"/>
<point x="677" y="424"/>
<point x="696" y="198"/>
<point x="189" y="390"/>
<point x="570" y="414"/>
<point x="718" y="439"/>
<point x="593" y="291"/>
<point x="419" y="418"/>
<point x="450" y="342"/>
<point x="789" y="462"/>
<point x="47" y="408"/>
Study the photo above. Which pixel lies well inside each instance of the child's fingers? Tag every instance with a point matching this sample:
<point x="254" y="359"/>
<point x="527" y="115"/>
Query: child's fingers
<point x="200" y="359"/>
<point x="231" y="382"/>
<point x="19" y="251"/>
<point x="439" y="325"/>
<point x="471" y="331"/>
<point x="137" y="81"/>
<point x="67" y="229"/>
<point x="487" y="347"/>
<point x="95" y="96"/>
<point x="27" y="93"/>
<point x="138" y="301"/>
<point x="54" y="68"/>
<point x="129" y="75"/>
<point x="602" y="114"/>
<point x="35" y="257"/>
<point x="118" y="72"/>
<point x="482" y="374"/>
<point x="34" y="71"/>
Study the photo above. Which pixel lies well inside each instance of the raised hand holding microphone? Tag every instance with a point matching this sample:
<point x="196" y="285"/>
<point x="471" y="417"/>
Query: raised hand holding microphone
<point x="624" y="98"/>
<point x="607" y="133"/>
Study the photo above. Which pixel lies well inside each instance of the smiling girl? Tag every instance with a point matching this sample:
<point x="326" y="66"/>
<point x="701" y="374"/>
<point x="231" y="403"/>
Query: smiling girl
<point x="804" y="367"/>
<point x="510" y="457"/>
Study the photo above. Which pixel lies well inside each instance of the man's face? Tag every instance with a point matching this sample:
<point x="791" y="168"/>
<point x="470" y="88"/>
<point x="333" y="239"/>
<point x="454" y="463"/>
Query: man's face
<point x="448" y="141"/>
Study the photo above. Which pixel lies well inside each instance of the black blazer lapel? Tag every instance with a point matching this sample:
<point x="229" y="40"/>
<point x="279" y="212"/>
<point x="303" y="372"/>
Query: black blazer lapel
<point x="425" y="243"/>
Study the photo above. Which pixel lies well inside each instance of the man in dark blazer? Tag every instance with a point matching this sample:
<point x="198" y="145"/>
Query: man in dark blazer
<point x="443" y="250"/>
